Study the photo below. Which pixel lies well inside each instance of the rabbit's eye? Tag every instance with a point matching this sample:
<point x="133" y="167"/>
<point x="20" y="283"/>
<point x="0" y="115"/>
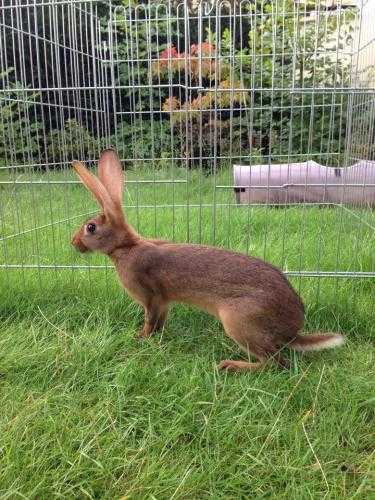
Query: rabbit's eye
<point x="91" y="227"/>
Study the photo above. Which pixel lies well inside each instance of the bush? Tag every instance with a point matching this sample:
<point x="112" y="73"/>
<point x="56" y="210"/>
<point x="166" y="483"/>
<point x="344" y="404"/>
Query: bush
<point x="71" y="142"/>
<point x="19" y="129"/>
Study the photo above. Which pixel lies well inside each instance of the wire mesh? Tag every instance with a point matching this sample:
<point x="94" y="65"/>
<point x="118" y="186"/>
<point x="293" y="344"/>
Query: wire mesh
<point x="185" y="91"/>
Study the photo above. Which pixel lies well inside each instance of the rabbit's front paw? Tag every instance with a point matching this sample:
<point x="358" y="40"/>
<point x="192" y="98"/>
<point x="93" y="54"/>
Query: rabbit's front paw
<point x="143" y="334"/>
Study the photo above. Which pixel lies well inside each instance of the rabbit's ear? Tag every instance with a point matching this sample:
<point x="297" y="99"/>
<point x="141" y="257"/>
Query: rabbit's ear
<point x="111" y="176"/>
<point x="94" y="185"/>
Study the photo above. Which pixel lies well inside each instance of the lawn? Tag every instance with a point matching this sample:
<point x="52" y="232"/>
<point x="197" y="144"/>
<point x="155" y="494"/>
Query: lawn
<point x="88" y="411"/>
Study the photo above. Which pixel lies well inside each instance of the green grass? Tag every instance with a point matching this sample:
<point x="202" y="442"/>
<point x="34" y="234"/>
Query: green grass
<point x="87" y="411"/>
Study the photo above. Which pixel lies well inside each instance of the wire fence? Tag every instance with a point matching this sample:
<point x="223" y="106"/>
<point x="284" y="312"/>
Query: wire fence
<point x="186" y="91"/>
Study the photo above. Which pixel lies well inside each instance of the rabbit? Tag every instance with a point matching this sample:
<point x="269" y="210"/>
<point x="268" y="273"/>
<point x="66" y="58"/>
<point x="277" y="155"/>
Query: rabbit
<point x="254" y="301"/>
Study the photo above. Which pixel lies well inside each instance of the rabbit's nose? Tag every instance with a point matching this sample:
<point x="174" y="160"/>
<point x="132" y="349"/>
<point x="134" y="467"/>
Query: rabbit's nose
<point x="78" y="244"/>
<point x="75" y="241"/>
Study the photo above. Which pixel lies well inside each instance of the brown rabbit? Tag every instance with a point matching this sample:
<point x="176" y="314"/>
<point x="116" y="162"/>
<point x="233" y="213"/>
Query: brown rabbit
<point x="254" y="301"/>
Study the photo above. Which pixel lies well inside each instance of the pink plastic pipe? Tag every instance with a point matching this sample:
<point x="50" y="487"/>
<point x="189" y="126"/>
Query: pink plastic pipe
<point x="305" y="182"/>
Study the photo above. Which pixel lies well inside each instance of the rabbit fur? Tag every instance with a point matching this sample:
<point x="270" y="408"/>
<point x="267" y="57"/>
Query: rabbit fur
<point x="254" y="301"/>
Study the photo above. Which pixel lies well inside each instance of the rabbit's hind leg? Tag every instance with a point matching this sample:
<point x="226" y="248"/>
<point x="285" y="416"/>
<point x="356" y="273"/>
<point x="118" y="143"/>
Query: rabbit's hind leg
<point x="245" y="328"/>
<point x="240" y="366"/>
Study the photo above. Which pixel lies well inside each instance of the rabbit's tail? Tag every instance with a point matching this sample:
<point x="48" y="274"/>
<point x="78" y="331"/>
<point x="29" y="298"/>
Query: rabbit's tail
<point x="316" y="342"/>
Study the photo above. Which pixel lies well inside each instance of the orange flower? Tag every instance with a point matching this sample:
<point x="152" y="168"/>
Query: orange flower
<point x="171" y="104"/>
